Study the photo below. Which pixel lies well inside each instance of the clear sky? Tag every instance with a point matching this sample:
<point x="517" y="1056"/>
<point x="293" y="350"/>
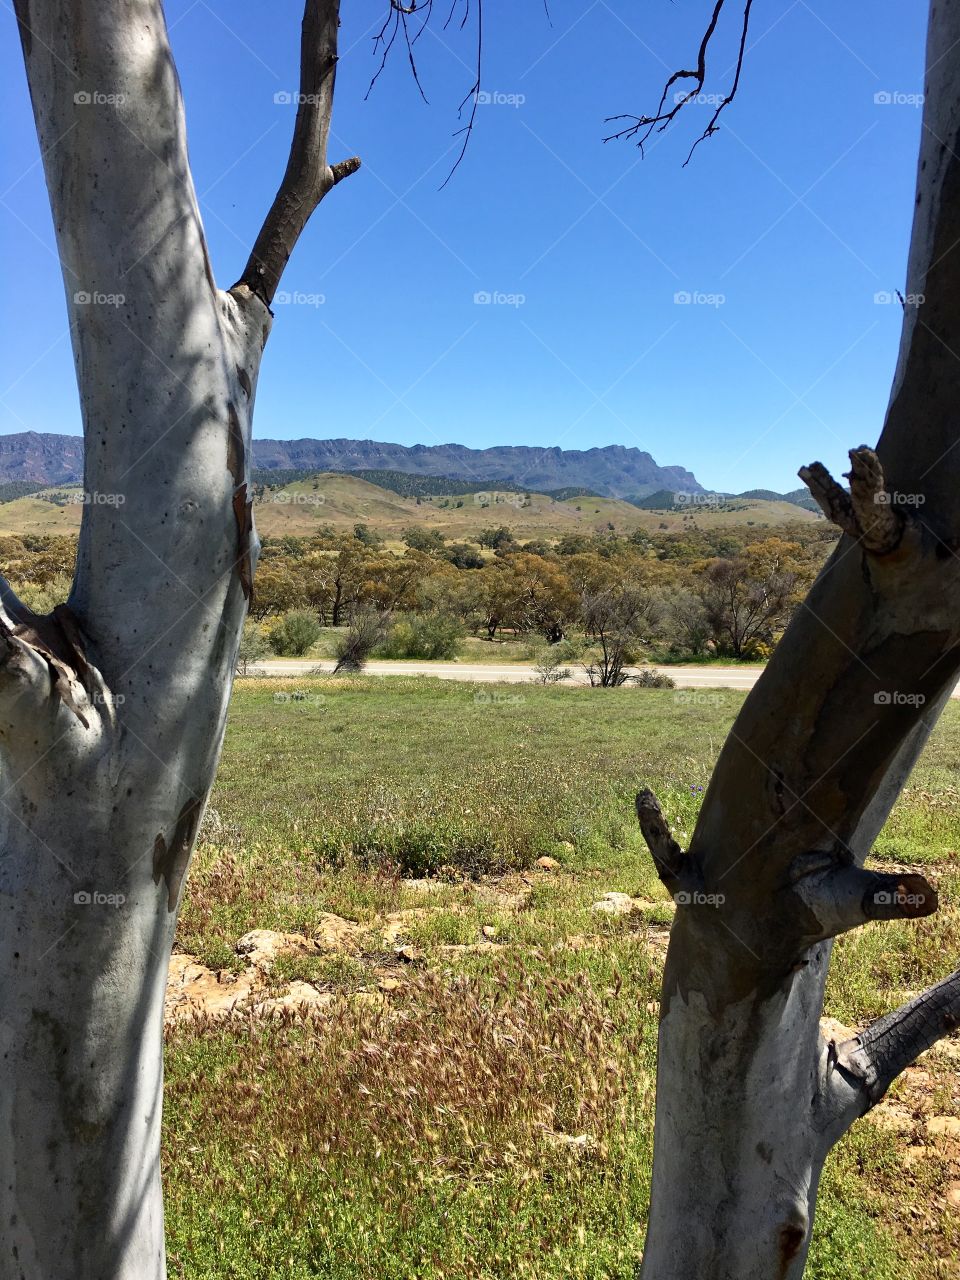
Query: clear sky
<point x="785" y="227"/>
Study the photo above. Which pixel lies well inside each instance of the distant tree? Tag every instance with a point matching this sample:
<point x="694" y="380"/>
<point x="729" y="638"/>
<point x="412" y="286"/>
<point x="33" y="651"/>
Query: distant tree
<point x="429" y="541"/>
<point x="617" y="619"/>
<point x="496" y="539"/>
<point x="462" y="555"/>
<point x="367" y="536"/>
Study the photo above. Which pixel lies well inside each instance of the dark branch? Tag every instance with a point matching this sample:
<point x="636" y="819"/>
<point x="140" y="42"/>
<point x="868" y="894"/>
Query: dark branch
<point x="888" y="1046"/>
<point x="308" y="177"/>
<point x="645" y="125"/>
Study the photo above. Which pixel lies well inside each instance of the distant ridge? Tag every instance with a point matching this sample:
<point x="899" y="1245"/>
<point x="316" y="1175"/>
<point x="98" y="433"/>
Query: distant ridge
<point x="32" y="460"/>
<point x="613" y="471"/>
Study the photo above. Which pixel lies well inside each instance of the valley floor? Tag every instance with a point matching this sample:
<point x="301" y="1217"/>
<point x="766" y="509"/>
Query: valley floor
<point x="431" y="1056"/>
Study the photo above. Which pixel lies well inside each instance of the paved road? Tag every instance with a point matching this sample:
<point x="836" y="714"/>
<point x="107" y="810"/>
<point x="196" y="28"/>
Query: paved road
<point x="513" y="672"/>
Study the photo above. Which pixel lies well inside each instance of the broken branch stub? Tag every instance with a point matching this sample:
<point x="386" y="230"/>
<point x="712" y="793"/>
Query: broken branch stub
<point x="865" y="512"/>
<point x="668" y="857"/>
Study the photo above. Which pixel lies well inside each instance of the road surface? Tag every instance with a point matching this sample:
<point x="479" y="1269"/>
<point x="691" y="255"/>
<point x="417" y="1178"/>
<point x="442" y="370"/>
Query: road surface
<point x="706" y="677"/>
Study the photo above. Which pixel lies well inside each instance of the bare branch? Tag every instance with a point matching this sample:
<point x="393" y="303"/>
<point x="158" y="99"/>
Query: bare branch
<point x="842" y="896"/>
<point x="888" y="1046"/>
<point x="645" y="125"/>
<point x="669" y="858"/>
<point x="867" y="512"/>
<point x="308" y="177"/>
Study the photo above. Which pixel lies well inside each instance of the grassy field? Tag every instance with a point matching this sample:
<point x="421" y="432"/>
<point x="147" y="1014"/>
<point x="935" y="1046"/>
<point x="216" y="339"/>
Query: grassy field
<point x="476" y="1101"/>
<point x="331" y="498"/>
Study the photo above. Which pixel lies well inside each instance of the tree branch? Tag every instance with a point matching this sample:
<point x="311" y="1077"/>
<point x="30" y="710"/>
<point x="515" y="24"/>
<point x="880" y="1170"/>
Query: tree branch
<point x="842" y="896"/>
<point x="672" y="865"/>
<point x="876" y="1056"/>
<point x="662" y="118"/>
<point x="867" y="512"/>
<point x="308" y="177"/>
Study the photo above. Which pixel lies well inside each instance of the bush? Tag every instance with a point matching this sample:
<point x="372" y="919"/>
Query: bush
<point x="425" y="636"/>
<point x="294" y="635"/>
<point x="366" y="631"/>
<point x="653" y="679"/>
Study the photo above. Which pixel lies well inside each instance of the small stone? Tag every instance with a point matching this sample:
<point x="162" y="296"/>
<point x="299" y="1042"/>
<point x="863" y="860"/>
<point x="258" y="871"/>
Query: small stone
<point x="616" y="904"/>
<point x="943" y="1127"/>
<point x="548" y="864"/>
<point x="953" y="1194"/>
<point x="489" y="931"/>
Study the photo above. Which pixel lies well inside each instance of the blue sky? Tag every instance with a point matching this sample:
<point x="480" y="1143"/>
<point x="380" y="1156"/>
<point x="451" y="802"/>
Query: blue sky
<point x="785" y="227"/>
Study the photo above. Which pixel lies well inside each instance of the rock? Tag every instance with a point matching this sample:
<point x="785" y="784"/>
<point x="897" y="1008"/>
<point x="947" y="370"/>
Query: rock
<point x="389" y="984"/>
<point x="302" y="998"/>
<point x="943" y="1127"/>
<point x="334" y="933"/>
<point x="953" y="1194"/>
<point x="489" y="931"/>
<point x="580" y="1143"/>
<point x="616" y="904"/>
<point x="548" y="864"/>
<point x="194" y="991"/>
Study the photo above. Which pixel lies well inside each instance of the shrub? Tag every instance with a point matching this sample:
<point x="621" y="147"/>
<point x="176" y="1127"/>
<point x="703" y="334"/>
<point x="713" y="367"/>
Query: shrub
<point x="365" y="632"/>
<point x="653" y="679"/>
<point x="294" y="635"/>
<point x="253" y="646"/>
<point x="424" y="636"/>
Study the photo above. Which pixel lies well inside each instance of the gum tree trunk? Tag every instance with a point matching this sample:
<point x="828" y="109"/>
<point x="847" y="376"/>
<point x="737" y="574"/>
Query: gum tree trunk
<point x="750" y="1096"/>
<point x="112" y="709"/>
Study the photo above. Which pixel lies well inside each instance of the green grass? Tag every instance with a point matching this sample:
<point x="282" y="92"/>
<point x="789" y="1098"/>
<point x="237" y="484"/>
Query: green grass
<point x="419" y="1136"/>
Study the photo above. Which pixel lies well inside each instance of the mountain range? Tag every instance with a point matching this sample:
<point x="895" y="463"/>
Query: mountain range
<point x="33" y="459"/>
<point x="613" y="471"/>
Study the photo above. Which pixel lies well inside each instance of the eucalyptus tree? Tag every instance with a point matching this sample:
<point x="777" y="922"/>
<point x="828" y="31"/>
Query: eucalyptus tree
<point x="112" y="707"/>
<point x="751" y="1095"/>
